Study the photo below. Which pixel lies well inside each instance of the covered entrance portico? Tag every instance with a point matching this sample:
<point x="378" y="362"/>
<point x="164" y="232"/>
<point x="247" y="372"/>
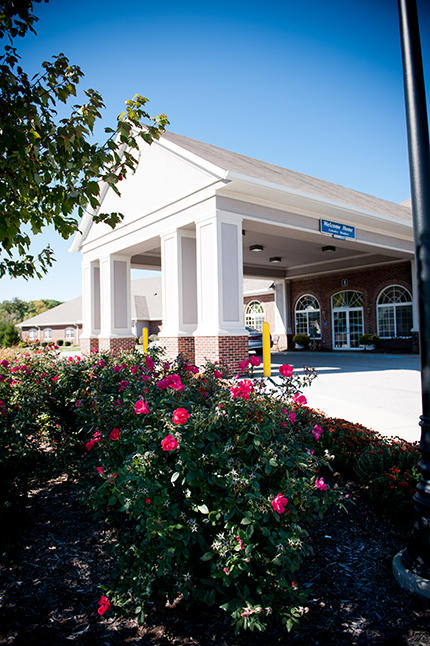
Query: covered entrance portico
<point x="206" y="218"/>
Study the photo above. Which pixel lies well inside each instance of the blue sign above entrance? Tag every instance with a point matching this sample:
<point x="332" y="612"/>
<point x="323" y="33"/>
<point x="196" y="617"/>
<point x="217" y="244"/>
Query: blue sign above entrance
<point x="337" y="229"/>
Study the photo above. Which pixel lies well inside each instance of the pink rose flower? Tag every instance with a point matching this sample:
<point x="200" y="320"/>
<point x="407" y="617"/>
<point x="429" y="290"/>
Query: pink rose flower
<point x="114" y="434"/>
<point x="255" y="361"/>
<point x="279" y="503"/>
<point x="169" y="443"/>
<point x="292" y="417"/>
<point x="240" y="541"/>
<point x="243" y="390"/>
<point x="123" y="385"/>
<point x="243" y="365"/>
<point x="286" y="370"/>
<point x="141" y="407"/>
<point x="180" y="416"/>
<point x="320" y="484"/>
<point x="299" y="399"/>
<point x="317" y="432"/>
<point x="149" y="363"/>
<point x="217" y="374"/>
<point x="104" y="605"/>
<point x="100" y="470"/>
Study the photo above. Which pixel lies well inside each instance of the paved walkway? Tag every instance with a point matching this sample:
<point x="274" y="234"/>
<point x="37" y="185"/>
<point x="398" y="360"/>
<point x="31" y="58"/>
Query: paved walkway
<point x="380" y="391"/>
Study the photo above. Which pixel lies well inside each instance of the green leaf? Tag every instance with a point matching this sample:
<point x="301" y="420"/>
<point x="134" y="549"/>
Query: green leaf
<point x="203" y="509"/>
<point x="246" y="521"/>
<point x="207" y="556"/>
<point x="174" y="477"/>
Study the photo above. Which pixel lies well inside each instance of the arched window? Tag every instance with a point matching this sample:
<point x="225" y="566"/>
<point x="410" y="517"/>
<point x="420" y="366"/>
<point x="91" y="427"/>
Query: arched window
<point x="32" y="334"/>
<point x="347" y="299"/>
<point x="308" y="317"/>
<point x="47" y="334"/>
<point x="70" y="334"/>
<point x="254" y="315"/>
<point x="394" y="312"/>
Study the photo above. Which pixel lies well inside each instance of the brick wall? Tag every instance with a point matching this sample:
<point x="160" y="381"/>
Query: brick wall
<point x="174" y="346"/>
<point x="58" y="332"/>
<point x="117" y="344"/>
<point x="367" y="281"/>
<point x="88" y="345"/>
<point x="228" y="350"/>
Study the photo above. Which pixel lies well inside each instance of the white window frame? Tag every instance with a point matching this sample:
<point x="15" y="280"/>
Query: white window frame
<point x="47" y="334"/>
<point x="70" y="337"/>
<point x="251" y="317"/>
<point x="301" y="311"/>
<point x="394" y="306"/>
<point x="33" y="334"/>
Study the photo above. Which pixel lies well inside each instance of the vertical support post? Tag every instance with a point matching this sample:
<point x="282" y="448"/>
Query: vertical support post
<point x="267" y="369"/>
<point x="90" y="305"/>
<point x="145" y="340"/>
<point x="411" y="567"/>
<point x="220" y="334"/>
<point x="115" y="329"/>
<point x="179" y="293"/>
<point x="280" y="329"/>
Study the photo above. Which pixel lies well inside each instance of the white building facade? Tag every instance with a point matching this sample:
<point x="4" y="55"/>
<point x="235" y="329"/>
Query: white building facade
<point x="207" y="217"/>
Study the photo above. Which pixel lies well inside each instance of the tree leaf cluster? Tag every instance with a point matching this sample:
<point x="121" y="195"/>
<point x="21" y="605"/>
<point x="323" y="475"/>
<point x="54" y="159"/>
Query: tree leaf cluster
<point x="52" y="170"/>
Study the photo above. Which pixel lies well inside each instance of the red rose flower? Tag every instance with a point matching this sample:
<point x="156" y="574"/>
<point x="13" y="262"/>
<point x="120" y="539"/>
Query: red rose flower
<point x="180" y="415"/>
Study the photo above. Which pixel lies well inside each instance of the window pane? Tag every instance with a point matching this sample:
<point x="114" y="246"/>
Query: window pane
<point x="314" y="325"/>
<point x="386" y="321"/>
<point x="301" y="323"/>
<point x="308" y="303"/>
<point x="403" y="320"/>
<point x="394" y="294"/>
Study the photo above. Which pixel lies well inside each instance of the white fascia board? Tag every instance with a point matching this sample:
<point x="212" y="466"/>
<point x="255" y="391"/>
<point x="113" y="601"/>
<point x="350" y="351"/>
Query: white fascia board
<point x="86" y="222"/>
<point x="233" y="175"/>
<point x="196" y="160"/>
<point x="25" y="324"/>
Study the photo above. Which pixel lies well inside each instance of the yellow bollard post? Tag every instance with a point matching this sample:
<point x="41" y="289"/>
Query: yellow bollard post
<point x="266" y="350"/>
<point x="145" y="340"/>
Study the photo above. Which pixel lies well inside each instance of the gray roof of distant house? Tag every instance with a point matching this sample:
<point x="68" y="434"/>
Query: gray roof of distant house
<point x="260" y="170"/>
<point x="68" y="313"/>
<point x="145" y="303"/>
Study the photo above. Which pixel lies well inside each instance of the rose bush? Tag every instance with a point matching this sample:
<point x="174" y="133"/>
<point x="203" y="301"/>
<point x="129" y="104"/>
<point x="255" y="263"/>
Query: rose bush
<point x="211" y="482"/>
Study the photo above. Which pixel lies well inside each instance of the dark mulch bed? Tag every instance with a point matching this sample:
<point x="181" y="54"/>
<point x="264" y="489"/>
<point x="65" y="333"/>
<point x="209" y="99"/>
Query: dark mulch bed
<point x="49" y="584"/>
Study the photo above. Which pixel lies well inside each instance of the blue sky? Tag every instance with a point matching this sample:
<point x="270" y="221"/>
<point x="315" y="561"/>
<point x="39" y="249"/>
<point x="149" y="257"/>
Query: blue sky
<point x="313" y="86"/>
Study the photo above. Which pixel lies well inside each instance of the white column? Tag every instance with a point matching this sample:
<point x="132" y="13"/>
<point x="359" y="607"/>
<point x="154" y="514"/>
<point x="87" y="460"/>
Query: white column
<point x="179" y="283"/>
<point x="220" y="276"/>
<point x="115" y="297"/>
<point x="90" y="299"/>
<point x="280" y="308"/>
<point x="415" y="318"/>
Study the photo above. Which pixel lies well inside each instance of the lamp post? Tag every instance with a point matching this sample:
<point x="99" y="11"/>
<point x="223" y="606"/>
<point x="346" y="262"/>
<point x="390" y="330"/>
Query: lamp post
<point x="411" y="566"/>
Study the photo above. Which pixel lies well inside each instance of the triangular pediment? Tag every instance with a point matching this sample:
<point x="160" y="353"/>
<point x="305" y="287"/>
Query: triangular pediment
<point x="166" y="173"/>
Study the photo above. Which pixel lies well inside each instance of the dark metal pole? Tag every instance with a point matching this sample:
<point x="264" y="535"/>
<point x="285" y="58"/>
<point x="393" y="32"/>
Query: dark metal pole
<point x="416" y="557"/>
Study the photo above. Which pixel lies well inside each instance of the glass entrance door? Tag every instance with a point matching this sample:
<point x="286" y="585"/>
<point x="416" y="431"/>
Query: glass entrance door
<point x="347" y="320"/>
<point x="347" y="328"/>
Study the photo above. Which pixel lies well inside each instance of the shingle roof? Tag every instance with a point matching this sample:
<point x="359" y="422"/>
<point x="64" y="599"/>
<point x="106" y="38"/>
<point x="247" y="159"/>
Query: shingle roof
<point x="231" y="161"/>
<point x="69" y="312"/>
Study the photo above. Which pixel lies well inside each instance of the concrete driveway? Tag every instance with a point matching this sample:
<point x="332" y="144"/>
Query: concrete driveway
<point x="380" y="391"/>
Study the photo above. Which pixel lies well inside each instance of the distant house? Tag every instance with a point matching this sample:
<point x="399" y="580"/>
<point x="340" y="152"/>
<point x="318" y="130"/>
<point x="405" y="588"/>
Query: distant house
<point x="64" y="322"/>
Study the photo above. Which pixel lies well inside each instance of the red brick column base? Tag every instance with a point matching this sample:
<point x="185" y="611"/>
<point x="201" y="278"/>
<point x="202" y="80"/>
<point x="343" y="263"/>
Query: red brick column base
<point x="89" y="344"/>
<point x="117" y="344"/>
<point x="178" y="345"/>
<point x="228" y="350"/>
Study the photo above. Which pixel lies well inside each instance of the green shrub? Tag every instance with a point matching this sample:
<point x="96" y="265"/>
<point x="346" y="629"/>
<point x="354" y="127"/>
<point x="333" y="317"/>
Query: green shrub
<point x="301" y="339"/>
<point x="60" y="342"/>
<point x="9" y="335"/>
<point x="368" y="339"/>
<point x="67" y="343"/>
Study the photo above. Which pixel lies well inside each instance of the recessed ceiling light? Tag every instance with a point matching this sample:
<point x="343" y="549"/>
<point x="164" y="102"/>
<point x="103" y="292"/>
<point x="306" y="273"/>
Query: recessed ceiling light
<point x="275" y="259"/>
<point x="256" y="247"/>
<point x="328" y="249"/>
